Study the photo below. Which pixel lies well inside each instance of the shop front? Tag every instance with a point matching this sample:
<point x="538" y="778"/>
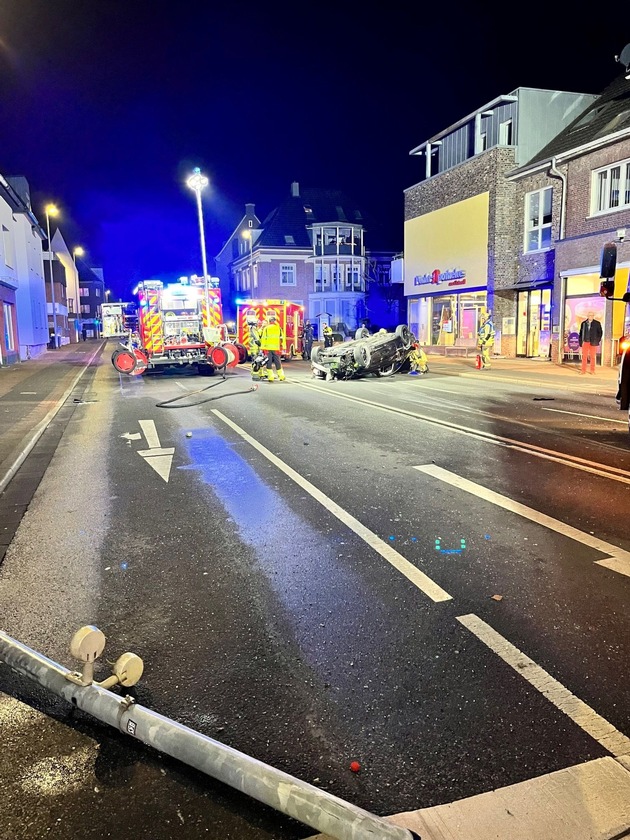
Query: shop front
<point x="581" y="297"/>
<point x="447" y="320"/>
<point x="533" y="323"/>
<point x="446" y="271"/>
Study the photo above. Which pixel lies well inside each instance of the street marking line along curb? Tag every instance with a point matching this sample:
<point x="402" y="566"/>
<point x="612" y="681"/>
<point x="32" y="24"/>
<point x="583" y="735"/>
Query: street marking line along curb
<point x="618" y="559"/>
<point x="573" y="461"/>
<point x="586" y="718"/>
<point x="411" y="572"/>
<point x="42" y="426"/>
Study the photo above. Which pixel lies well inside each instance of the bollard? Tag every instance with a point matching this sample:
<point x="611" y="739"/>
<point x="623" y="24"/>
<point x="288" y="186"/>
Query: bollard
<point x="291" y="796"/>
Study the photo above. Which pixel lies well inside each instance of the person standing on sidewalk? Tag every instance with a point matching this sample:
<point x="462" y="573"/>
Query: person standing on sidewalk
<point x="485" y="340"/>
<point x="590" y="339"/>
<point x="271" y="341"/>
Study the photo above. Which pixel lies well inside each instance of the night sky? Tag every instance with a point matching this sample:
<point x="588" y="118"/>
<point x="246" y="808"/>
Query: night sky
<point x="106" y="105"/>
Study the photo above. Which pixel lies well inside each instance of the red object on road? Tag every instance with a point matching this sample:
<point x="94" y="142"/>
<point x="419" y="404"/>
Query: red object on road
<point x="355" y="766"/>
<point x="478" y="364"/>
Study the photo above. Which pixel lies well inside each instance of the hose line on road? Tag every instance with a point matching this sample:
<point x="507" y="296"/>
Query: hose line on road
<point x="168" y="403"/>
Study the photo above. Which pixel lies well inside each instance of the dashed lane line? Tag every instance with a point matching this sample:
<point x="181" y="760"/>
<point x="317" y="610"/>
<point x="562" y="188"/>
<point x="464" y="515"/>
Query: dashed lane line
<point x="618" y="560"/>
<point x="618" y="422"/>
<point x="580" y="713"/>
<point x="411" y="572"/>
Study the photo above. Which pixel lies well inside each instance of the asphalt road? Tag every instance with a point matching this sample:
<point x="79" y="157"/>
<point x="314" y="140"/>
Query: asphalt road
<point x="266" y="570"/>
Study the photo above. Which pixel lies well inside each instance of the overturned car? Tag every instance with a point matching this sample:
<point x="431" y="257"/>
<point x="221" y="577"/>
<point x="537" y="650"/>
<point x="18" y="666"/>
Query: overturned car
<point x="381" y="354"/>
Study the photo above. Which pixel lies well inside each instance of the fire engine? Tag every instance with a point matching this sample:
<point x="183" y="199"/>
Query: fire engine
<point x="290" y="318"/>
<point x="177" y="329"/>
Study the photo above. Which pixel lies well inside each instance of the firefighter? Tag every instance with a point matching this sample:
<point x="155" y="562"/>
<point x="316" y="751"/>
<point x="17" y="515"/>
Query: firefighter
<point x="419" y="361"/>
<point x="271" y="342"/>
<point x="307" y="340"/>
<point x="328" y="335"/>
<point x="485" y="339"/>
<point x="255" y="329"/>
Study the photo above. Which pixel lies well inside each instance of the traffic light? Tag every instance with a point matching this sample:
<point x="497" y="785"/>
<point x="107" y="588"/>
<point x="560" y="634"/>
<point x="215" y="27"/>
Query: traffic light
<point x="607" y="288"/>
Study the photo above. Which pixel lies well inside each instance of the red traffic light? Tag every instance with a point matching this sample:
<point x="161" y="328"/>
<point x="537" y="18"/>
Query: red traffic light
<point x="607" y="288"/>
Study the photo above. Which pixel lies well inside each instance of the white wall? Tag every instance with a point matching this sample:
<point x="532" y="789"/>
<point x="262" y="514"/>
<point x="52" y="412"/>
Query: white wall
<point x="30" y="294"/>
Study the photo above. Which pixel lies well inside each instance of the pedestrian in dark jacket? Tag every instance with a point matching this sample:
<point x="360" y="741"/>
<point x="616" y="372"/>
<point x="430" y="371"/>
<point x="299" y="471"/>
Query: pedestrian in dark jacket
<point x="590" y="339"/>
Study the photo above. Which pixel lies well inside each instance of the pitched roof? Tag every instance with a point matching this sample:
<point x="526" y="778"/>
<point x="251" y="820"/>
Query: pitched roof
<point x="608" y="114"/>
<point x="291" y="218"/>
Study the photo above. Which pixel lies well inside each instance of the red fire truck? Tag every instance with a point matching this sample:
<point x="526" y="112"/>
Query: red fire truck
<point x="176" y="329"/>
<point x="290" y="318"/>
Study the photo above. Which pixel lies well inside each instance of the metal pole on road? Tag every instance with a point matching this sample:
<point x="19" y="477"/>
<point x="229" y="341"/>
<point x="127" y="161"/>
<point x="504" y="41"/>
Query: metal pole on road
<point x="297" y="799"/>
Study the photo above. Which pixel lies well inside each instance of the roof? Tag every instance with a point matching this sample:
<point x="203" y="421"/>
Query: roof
<point x="297" y="213"/>
<point x="608" y="114"/>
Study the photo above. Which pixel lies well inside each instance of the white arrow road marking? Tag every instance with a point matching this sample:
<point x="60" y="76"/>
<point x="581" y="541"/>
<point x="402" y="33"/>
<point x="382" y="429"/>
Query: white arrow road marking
<point x="131" y="436"/>
<point x="586" y="718"/>
<point x="411" y="572"/>
<point x="618" y="559"/>
<point x="157" y="457"/>
<point x="150" y="433"/>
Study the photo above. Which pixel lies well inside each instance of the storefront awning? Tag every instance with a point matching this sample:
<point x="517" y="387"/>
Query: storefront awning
<point x="526" y="286"/>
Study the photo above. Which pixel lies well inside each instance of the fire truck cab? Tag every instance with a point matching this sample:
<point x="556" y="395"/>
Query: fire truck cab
<point x="290" y="318"/>
<point x="175" y="329"/>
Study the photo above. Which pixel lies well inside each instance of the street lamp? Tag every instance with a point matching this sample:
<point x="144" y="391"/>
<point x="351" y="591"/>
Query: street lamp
<point x="197" y="182"/>
<point x="77" y="252"/>
<point x="107" y="294"/>
<point x="51" y="210"/>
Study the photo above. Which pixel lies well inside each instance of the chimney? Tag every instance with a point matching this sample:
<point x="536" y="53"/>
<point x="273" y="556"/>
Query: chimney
<point x="295" y="189"/>
<point x="249" y="209"/>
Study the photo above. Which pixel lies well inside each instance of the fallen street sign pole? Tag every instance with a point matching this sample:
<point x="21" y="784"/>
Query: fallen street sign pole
<point x="291" y="796"/>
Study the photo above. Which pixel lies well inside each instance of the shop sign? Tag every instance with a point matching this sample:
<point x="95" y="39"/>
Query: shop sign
<point x="573" y="342"/>
<point x="452" y="277"/>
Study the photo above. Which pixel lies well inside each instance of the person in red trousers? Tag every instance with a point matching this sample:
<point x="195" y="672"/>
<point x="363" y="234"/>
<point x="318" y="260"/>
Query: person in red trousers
<point x="590" y="339"/>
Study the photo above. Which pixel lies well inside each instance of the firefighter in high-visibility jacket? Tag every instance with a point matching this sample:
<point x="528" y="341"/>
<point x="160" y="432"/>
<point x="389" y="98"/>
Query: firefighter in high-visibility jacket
<point x="485" y="340"/>
<point x="271" y="341"/>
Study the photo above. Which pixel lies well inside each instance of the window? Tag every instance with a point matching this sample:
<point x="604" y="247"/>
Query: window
<point x="538" y="220"/>
<point x="322" y="277"/>
<point x="97" y="292"/>
<point x="611" y="188"/>
<point x="9" y="248"/>
<point x="505" y="133"/>
<point x="9" y="326"/>
<point x="83" y="292"/>
<point x="287" y="274"/>
<point x="288" y="239"/>
<point x="85" y="309"/>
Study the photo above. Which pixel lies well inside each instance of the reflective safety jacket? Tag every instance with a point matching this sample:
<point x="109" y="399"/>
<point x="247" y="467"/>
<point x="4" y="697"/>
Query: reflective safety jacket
<point x="254" y="338"/>
<point x="272" y="338"/>
<point x="485" y="335"/>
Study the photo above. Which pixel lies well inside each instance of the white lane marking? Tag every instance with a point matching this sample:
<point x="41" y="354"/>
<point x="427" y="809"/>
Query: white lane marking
<point x="418" y="578"/>
<point x="157" y="457"/>
<point x="573" y="461"/>
<point x="586" y="718"/>
<point x="618" y="560"/>
<point x="590" y="416"/>
<point x="27" y="393"/>
<point x="150" y="433"/>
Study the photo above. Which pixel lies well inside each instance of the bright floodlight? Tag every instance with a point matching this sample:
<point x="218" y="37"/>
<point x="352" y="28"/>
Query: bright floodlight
<point x="197" y="181"/>
<point x="78" y="251"/>
<point x="51" y="210"/>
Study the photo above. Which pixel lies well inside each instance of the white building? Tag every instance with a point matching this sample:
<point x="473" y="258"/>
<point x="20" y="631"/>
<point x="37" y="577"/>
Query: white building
<point x="23" y="318"/>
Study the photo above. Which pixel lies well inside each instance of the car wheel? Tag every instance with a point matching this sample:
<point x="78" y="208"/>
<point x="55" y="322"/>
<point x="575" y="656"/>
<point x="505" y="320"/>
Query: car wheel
<point x="362" y="355"/>
<point x="317" y="355"/>
<point x="404" y="334"/>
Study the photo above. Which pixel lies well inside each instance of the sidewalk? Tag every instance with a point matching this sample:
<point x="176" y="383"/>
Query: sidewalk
<point x="530" y="372"/>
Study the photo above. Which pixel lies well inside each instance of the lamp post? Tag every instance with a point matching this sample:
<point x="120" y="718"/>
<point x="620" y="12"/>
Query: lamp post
<point x="197" y="182"/>
<point x="51" y="210"/>
<point x="77" y="252"/>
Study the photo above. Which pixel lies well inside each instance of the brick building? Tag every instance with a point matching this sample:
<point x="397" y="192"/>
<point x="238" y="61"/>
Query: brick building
<point x="312" y="250"/>
<point x="584" y="176"/>
<point x="463" y="229"/>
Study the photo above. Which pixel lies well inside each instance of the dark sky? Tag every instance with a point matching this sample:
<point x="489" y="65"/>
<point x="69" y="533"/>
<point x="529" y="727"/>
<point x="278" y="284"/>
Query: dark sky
<point x="106" y="105"/>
